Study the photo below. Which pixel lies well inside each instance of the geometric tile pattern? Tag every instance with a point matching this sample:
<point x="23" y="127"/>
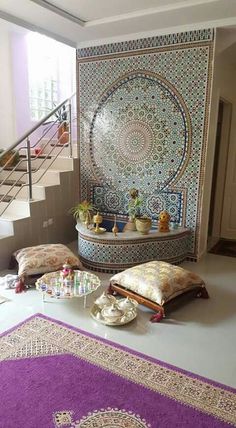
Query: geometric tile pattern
<point x="116" y="255"/>
<point x="144" y="108"/>
<point x="147" y="43"/>
<point x="116" y="202"/>
<point x="169" y="382"/>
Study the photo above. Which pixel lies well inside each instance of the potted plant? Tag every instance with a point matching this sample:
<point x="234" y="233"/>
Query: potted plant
<point x="83" y="211"/>
<point x="136" y="220"/>
<point x="134" y="204"/>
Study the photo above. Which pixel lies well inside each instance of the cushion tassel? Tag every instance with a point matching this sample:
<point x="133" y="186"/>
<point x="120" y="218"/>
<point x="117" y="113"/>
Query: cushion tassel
<point x="157" y="317"/>
<point x="20" y="285"/>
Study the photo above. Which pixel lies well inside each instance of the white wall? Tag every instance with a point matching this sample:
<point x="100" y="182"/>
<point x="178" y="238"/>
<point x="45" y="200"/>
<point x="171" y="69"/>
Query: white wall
<point x="7" y="108"/>
<point x="14" y="83"/>
<point x="224" y="86"/>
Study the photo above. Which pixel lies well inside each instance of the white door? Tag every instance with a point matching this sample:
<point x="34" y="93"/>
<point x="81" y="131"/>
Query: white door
<point x="228" y="222"/>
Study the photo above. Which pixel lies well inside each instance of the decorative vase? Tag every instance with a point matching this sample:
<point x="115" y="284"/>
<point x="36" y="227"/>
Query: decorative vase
<point x="115" y="229"/>
<point x="164" y="220"/>
<point x="63" y="134"/>
<point x="143" y="225"/>
<point x="97" y="219"/>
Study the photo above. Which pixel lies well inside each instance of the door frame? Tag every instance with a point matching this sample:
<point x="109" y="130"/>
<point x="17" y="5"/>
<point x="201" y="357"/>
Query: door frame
<point x="222" y="159"/>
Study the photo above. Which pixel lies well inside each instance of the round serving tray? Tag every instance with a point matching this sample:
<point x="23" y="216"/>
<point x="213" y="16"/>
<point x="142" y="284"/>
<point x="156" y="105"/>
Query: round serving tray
<point x="128" y="316"/>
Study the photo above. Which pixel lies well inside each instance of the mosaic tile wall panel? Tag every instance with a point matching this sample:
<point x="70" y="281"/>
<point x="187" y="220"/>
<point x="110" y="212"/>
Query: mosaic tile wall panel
<point x="143" y="123"/>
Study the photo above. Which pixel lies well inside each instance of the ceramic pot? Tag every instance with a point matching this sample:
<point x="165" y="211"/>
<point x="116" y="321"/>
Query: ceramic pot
<point x="143" y="224"/>
<point x="63" y="134"/>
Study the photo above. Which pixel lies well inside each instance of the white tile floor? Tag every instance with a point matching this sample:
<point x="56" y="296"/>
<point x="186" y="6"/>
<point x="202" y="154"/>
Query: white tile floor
<point x="199" y="336"/>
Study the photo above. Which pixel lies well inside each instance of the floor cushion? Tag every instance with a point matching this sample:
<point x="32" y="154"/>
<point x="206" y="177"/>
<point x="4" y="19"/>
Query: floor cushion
<point x="44" y="258"/>
<point x="157" y="281"/>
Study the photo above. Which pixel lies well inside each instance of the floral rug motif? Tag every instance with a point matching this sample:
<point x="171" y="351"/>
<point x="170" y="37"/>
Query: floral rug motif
<point x="56" y="376"/>
<point x="108" y="418"/>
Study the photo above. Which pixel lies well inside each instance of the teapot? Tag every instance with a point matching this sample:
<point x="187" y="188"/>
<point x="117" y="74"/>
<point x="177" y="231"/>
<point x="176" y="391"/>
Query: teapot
<point x="104" y="300"/>
<point x="112" y="313"/>
<point x="127" y="304"/>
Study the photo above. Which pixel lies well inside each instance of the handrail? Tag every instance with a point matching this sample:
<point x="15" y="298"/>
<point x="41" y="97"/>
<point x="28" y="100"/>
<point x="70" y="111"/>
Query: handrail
<point x="37" y="125"/>
<point x="30" y="172"/>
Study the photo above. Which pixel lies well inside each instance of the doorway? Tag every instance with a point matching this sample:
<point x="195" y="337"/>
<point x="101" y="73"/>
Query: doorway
<point x="219" y="172"/>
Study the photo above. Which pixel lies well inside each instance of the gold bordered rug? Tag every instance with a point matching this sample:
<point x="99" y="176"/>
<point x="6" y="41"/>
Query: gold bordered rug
<point x="54" y="375"/>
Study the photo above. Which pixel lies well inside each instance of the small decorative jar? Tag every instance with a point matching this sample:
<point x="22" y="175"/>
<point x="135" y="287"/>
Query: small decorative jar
<point x="164" y="220"/>
<point x="67" y="272"/>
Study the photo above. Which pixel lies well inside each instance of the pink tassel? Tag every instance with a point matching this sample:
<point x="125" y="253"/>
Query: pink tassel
<point x="156" y="317"/>
<point x="20" y="286"/>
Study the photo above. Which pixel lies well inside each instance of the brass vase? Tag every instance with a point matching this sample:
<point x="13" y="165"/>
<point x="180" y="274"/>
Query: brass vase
<point x="115" y="229"/>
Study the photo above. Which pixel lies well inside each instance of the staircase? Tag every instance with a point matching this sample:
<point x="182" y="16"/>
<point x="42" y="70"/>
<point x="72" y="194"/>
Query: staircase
<point x="38" y="186"/>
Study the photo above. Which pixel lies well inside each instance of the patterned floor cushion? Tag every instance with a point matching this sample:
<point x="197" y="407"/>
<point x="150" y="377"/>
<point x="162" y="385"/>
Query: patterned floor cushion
<point x="157" y="281"/>
<point x="44" y="258"/>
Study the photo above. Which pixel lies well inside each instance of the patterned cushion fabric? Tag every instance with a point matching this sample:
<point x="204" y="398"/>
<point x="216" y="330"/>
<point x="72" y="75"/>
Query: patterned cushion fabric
<point x="44" y="258"/>
<point x="157" y="281"/>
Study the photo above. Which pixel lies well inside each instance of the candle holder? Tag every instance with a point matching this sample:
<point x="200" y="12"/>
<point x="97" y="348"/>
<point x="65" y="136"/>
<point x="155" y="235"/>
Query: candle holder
<point x="97" y="219"/>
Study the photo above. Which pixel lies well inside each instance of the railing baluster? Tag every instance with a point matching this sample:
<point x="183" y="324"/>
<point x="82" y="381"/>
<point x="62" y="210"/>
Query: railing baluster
<point x="29" y="170"/>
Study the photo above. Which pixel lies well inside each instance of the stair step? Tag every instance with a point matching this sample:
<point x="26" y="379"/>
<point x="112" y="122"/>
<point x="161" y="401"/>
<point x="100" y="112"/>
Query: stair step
<point x="10" y="217"/>
<point x="22" y="192"/>
<point x="59" y="145"/>
<point x="42" y="156"/>
<point x="53" y="147"/>
<point x="4" y="236"/>
<point x="4" y="198"/>
<point x="12" y="183"/>
<point x="17" y="169"/>
<point x="18" y="207"/>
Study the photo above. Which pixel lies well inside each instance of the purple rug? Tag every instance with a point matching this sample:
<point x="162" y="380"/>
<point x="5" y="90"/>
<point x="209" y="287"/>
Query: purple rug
<point x="53" y="375"/>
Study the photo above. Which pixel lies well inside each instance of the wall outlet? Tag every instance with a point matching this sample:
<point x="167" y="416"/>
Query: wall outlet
<point x="50" y="221"/>
<point x="45" y="223"/>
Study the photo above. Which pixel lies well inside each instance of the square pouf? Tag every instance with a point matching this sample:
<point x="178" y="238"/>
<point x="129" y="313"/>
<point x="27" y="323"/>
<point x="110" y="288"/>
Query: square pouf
<point x="44" y="258"/>
<point x="155" y="284"/>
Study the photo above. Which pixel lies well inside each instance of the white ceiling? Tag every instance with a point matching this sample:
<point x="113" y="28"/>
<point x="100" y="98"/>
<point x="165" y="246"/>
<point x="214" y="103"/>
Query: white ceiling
<point x="89" y="22"/>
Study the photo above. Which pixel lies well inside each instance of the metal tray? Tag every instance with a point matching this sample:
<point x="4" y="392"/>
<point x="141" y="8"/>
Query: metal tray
<point x="129" y="316"/>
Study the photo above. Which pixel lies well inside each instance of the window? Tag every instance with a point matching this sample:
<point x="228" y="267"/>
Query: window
<point x="51" y="67"/>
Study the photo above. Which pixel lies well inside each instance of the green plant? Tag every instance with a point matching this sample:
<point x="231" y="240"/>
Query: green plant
<point x="134" y="204"/>
<point x="61" y="114"/>
<point x="82" y="209"/>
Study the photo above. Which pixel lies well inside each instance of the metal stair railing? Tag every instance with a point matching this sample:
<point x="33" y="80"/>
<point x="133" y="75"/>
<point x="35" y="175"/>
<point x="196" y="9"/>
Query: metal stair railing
<point x="55" y="127"/>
